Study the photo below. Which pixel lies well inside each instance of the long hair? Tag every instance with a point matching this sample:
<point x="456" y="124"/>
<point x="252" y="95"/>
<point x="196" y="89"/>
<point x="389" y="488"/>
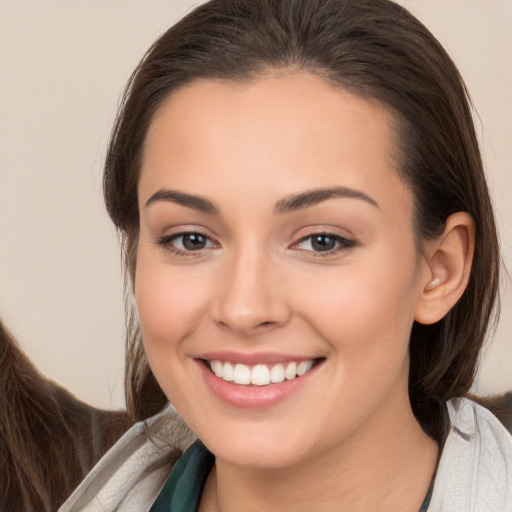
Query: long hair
<point x="49" y="440"/>
<point x="374" y="49"/>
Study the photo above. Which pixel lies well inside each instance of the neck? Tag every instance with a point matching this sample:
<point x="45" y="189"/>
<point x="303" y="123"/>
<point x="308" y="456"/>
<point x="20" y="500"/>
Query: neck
<point x="388" y="468"/>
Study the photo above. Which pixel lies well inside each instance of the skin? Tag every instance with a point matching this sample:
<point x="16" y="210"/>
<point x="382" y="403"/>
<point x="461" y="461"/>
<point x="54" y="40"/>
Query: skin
<point x="347" y="438"/>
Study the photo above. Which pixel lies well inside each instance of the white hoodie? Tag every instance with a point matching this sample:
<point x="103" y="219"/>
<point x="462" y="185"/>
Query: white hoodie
<point x="474" y="473"/>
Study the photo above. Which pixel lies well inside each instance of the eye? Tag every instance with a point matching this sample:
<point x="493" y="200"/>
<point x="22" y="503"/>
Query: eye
<point x="324" y="243"/>
<point x="183" y="243"/>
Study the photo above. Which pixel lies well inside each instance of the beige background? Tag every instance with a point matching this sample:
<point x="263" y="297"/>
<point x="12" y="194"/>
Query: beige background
<point x="62" y="67"/>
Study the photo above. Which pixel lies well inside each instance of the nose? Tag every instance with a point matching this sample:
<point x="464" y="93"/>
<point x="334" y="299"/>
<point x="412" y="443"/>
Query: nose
<point x="251" y="299"/>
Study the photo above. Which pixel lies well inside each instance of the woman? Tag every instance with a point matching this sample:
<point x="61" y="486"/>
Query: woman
<point x="313" y="255"/>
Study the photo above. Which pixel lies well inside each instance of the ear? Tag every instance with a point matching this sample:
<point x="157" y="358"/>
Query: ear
<point x="447" y="269"/>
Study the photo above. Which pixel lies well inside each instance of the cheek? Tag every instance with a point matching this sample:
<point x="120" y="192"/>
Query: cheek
<point x="366" y="319"/>
<point x="170" y="304"/>
<point x="361" y="310"/>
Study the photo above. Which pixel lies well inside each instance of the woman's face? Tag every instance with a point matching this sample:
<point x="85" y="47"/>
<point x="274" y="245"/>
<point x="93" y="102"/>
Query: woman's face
<point x="276" y="238"/>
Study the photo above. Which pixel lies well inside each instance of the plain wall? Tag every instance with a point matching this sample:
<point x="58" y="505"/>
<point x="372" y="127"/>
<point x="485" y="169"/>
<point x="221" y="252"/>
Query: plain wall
<point x="62" y="68"/>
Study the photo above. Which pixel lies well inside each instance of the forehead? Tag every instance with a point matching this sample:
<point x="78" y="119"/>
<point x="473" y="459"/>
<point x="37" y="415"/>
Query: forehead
<point x="270" y="135"/>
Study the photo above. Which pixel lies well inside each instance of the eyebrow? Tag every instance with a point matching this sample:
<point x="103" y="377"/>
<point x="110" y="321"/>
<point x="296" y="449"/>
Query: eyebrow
<point x="286" y="205"/>
<point x="313" y="197"/>
<point x="198" y="203"/>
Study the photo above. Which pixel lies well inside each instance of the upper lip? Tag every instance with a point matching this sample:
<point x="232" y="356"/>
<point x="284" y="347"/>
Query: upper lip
<point x="254" y="358"/>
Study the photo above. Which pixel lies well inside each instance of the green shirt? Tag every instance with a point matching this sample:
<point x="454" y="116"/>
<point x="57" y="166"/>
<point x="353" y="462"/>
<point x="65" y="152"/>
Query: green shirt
<point x="183" y="489"/>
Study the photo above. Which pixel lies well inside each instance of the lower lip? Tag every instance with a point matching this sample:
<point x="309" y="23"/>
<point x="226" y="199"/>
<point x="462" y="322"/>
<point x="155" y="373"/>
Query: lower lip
<point x="250" y="396"/>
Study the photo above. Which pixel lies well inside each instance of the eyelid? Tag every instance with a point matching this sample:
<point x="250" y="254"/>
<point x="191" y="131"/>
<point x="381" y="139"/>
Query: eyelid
<point x="343" y="243"/>
<point x="165" y="242"/>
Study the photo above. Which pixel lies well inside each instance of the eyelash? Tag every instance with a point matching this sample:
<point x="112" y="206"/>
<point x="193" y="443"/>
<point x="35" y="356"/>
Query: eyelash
<point x="167" y="243"/>
<point x="341" y="243"/>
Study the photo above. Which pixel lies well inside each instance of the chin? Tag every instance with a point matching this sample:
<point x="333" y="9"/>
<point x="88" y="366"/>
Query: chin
<point x="258" y="448"/>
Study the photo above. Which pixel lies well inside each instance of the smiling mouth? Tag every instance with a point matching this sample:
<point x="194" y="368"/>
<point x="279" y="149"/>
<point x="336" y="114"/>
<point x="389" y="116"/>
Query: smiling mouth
<point x="261" y="374"/>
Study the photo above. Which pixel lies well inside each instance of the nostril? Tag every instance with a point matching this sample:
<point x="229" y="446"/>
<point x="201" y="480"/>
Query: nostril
<point x="265" y="325"/>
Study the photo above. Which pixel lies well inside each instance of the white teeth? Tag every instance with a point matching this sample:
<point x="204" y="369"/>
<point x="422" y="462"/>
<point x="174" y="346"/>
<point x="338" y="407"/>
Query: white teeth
<point x="277" y="373"/>
<point x="242" y="374"/>
<point x="260" y="374"/>
<point x="217" y="368"/>
<point x="291" y="371"/>
<point x="228" y="372"/>
<point x="304" y="367"/>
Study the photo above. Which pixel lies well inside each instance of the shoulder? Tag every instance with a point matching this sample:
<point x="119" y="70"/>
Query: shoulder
<point x="130" y="475"/>
<point x="475" y="469"/>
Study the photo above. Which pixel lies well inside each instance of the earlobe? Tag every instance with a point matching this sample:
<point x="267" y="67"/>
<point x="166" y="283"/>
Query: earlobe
<point x="449" y="260"/>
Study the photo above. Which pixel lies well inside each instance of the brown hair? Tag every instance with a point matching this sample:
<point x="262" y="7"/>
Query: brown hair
<point x="374" y="49"/>
<point x="49" y="440"/>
